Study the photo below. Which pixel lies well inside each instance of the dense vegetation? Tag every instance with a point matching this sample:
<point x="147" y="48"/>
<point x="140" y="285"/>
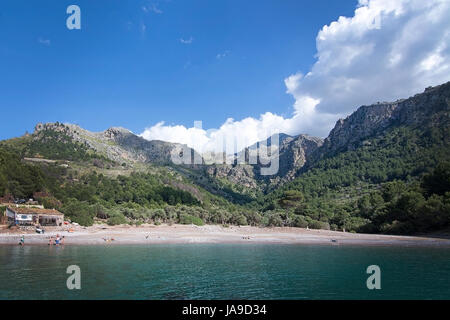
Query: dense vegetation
<point x="137" y="198"/>
<point x="404" y="209"/>
<point x="52" y="143"/>
<point x="349" y="190"/>
<point x="396" y="208"/>
<point x="19" y="179"/>
<point x="397" y="181"/>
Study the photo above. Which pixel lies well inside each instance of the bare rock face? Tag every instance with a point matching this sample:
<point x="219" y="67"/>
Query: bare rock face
<point x="292" y="153"/>
<point x="56" y="127"/>
<point x="116" y="132"/>
<point x="369" y="120"/>
<point x="104" y="143"/>
<point x="119" y="144"/>
<point x="139" y="148"/>
<point x="363" y="123"/>
<point x="242" y="174"/>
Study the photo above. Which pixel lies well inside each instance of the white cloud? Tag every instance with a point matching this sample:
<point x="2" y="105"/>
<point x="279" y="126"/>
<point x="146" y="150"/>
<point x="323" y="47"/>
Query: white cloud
<point x="187" y="41"/>
<point x="223" y="54"/>
<point x="151" y="8"/>
<point x="389" y="49"/>
<point x="234" y="133"/>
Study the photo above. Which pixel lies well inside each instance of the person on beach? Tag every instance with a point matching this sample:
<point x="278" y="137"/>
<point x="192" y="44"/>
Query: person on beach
<point x="22" y="241"/>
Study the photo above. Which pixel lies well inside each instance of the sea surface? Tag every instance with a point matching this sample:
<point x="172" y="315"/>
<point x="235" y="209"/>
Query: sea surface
<point x="224" y="271"/>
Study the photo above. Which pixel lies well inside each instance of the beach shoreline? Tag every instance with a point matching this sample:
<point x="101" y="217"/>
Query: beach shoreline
<point x="211" y="234"/>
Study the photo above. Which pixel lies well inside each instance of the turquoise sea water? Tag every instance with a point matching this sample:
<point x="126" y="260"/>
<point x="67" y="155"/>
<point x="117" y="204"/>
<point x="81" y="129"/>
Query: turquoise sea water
<point x="224" y="271"/>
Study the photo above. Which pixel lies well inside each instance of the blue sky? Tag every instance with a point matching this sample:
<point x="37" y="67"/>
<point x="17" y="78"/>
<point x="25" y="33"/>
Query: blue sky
<point x="128" y="67"/>
<point x="246" y="68"/>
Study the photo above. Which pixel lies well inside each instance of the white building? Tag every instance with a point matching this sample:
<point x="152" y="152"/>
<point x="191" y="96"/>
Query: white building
<point x="34" y="216"/>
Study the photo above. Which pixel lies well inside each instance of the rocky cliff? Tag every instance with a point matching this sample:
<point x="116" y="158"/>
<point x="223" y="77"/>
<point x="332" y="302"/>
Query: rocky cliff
<point x="119" y="144"/>
<point x="367" y="121"/>
<point x="293" y="153"/>
<point x="296" y="153"/>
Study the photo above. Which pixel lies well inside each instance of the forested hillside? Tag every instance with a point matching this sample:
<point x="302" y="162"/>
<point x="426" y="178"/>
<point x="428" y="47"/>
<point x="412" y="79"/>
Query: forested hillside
<point x="384" y="169"/>
<point x="373" y="162"/>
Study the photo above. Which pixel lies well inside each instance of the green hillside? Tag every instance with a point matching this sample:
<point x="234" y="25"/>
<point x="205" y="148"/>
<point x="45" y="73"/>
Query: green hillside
<point x="91" y="186"/>
<point x="365" y="189"/>
<point x="384" y="169"/>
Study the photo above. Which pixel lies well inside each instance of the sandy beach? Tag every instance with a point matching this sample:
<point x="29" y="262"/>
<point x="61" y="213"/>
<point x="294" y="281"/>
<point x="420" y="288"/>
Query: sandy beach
<point x="184" y="234"/>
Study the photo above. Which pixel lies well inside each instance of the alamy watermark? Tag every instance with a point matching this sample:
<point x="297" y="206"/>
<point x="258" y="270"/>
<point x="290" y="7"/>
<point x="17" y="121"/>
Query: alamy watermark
<point x="74" y="20"/>
<point x="374" y="281"/>
<point x="233" y="151"/>
<point x="74" y="280"/>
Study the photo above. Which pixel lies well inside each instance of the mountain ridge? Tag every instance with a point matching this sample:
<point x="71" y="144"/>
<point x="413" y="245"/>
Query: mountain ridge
<point x="296" y="153"/>
<point x="362" y="177"/>
<point x="370" y="119"/>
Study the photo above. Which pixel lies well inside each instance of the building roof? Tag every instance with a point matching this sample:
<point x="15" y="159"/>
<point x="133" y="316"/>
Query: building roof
<point x="35" y="211"/>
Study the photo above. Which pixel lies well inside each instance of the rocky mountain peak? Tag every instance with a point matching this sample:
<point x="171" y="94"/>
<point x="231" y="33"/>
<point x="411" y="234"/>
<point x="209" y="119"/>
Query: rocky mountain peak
<point x="369" y="120"/>
<point x="293" y="152"/>
<point x="114" y="132"/>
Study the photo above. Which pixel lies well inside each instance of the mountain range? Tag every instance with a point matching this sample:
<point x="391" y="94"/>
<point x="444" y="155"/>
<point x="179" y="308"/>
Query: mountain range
<point x="373" y="148"/>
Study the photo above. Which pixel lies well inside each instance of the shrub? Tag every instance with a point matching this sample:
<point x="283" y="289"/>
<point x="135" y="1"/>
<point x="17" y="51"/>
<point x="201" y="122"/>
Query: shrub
<point x="299" y="222"/>
<point x="117" y="219"/>
<point x="253" y="218"/>
<point x="241" y="221"/>
<point x="51" y="203"/>
<point x="319" y="225"/>
<point x="275" y="220"/>
<point x="188" y="219"/>
<point x="79" y="212"/>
